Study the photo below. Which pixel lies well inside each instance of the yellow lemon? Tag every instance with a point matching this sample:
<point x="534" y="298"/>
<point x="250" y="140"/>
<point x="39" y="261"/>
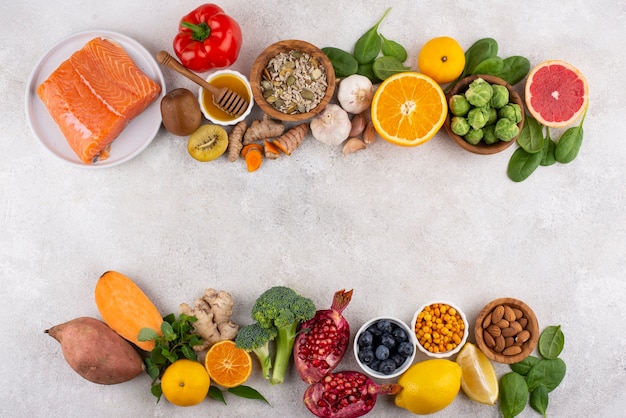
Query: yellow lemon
<point x="429" y="386"/>
<point x="185" y="382"/>
<point x="442" y="59"/>
<point x="479" y="381"/>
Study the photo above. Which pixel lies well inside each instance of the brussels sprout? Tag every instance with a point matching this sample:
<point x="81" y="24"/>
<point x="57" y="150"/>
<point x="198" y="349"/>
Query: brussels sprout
<point x="459" y="125"/>
<point x="479" y="93"/>
<point x="500" y="96"/>
<point x="511" y="112"/>
<point x="473" y="136"/>
<point x="506" y="130"/>
<point x="489" y="135"/>
<point x="478" y="117"/>
<point x="493" y="116"/>
<point x="459" y="106"/>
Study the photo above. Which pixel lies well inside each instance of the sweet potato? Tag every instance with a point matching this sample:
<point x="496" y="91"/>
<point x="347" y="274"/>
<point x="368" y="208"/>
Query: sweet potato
<point x="96" y="352"/>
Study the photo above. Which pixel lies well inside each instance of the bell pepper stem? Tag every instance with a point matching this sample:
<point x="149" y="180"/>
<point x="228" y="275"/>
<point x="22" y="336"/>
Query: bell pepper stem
<point x="200" y="31"/>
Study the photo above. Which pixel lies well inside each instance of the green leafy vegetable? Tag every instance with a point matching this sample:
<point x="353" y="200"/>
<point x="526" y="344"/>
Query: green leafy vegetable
<point x="524" y="366"/>
<point x="551" y="342"/>
<point x="491" y="65"/>
<point x="549" y="146"/>
<point x="369" y="45"/>
<point x="385" y="66"/>
<point x="247" y="392"/>
<point x="569" y="144"/>
<point x="531" y="138"/>
<point x="479" y="51"/>
<point x="514" y="69"/>
<point x="343" y="62"/>
<point x="548" y="372"/>
<point x="539" y="399"/>
<point x="394" y="49"/>
<point x="513" y="394"/>
<point x="367" y="70"/>
<point x="217" y="394"/>
<point x="522" y="164"/>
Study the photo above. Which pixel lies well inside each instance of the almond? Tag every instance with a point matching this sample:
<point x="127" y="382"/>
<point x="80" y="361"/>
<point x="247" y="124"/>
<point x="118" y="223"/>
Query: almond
<point x="509" y="315"/>
<point x="489" y="341"/>
<point x="512" y="350"/>
<point x="494" y="330"/>
<point x="499" y="347"/>
<point x="498" y="314"/>
<point x="523" y="336"/>
<point x="508" y="332"/>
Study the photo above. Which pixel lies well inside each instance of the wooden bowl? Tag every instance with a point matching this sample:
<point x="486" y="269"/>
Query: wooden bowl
<point x="482" y="148"/>
<point x="256" y="76"/>
<point x="526" y="347"/>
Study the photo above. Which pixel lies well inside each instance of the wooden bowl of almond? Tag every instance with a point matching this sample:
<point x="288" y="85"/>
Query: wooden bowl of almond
<point x="506" y="330"/>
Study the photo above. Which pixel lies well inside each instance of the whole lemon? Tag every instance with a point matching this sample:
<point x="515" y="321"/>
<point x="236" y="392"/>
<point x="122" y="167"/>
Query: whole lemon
<point x="185" y="382"/>
<point x="429" y="386"/>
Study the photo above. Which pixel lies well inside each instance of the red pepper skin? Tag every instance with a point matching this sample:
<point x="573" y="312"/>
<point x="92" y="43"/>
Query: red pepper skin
<point x="207" y="38"/>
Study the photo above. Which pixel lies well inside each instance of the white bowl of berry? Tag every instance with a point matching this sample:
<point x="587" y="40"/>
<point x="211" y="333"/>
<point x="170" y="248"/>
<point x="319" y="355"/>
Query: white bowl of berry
<point x="384" y="347"/>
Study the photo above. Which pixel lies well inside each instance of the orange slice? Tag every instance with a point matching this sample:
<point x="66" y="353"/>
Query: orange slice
<point x="228" y="365"/>
<point x="408" y="109"/>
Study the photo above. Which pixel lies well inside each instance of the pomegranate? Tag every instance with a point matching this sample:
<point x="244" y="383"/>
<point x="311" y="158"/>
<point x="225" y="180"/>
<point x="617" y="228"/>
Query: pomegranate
<point x="323" y="341"/>
<point x="347" y="394"/>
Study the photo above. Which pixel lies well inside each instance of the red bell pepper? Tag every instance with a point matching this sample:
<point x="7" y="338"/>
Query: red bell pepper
<point x="207" y="38"/>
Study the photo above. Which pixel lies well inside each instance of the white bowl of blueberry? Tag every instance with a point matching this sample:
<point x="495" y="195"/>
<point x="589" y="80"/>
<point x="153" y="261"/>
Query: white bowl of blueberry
<point x="384" y="347"/>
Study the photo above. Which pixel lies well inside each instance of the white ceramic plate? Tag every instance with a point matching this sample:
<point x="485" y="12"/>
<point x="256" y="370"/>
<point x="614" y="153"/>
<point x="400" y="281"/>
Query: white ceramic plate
<point x="134" y="138"/>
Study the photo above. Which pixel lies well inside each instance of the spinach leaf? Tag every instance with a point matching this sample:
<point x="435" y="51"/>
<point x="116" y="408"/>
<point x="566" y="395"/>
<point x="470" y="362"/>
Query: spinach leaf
<point x="539" y="399"/>
<point x="514" y="69"/>
<point x="524" y="366"/>
<point x="547" y="372"/>
<point x="394" y="49"/>
<point x="367" y="70"/>
<point x="477" y="53"/>
<point x="551" y="342"/>
<point x="385" y="67"/>
<point x="513" y="394"/>
<point x="548" y="150"/>
<point x="368" y="46"/>
<point x="522" y="164"/>
<point x="531" y="138"/>
<point x="569" y="144"/>
<point x="343" y="62"/>
<point x="492" y="66"/>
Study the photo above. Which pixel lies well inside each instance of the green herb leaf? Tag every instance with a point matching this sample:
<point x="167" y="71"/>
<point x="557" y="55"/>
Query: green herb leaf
<point x="343" y="62"/>
<point x="531" y="138"/>
<point x="524" y="366"/>
<point x="188" y="352"/>
<point x="569" y="144"/>
<point x="384" y="67"/>
<point x="247" y="392"/>
<point x="548" y="150"/>
<point x="394" y="49"/>
<point x="168" y="331"/>
<point x="170" y="318"/>
<point x="368" y="46"/>
<point x="513" y="394"/>
<point x="514" y="69"/>
<point x="216" y="393"/>
<point x="539" y="399"/>
<point x="156" y="391"/>
<point x="492" y="66"/>
<point x="147" y="334"/>
<point x="551" y="342"/>
<point x="547" y="372"/>
<point x="522" y="164"/>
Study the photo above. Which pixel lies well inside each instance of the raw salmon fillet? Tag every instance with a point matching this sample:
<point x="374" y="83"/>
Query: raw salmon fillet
<point x="94" y="94"/>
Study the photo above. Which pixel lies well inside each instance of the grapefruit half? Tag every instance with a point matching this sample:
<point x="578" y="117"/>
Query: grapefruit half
<point x="556" y="93"/>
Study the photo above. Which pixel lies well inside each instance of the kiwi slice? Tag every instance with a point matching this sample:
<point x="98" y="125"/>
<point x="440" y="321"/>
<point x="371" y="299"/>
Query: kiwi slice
<point x="208" y="142"/>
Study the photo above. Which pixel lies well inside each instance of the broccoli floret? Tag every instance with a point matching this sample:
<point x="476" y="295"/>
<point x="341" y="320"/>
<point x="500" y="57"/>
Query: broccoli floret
<point x="281" y="307"/>
<point x="256" y="339"/>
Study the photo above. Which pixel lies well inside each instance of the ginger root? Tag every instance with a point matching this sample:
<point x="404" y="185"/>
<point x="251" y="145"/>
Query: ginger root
<point x="253" y="156"/>
<point x="235" y="140"/>
<point x="263" y="129"/>
<point x="291" y="139"/>
<point x="213" y="310"/>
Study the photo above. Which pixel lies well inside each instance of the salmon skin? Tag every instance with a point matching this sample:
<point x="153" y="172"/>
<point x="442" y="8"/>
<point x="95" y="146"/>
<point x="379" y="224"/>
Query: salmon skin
<point x="94" y="94"/>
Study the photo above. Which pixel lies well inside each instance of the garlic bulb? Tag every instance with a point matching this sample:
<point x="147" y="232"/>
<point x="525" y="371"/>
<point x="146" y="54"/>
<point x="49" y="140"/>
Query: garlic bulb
<point x="332" y="126"/>
<point x="355" y="93"/>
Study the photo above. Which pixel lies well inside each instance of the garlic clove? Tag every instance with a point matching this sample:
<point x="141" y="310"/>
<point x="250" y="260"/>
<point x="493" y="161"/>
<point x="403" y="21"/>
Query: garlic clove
<point x="353" y="145"/>
<point x="369" y="134"/>
<point x="358" y="124"/>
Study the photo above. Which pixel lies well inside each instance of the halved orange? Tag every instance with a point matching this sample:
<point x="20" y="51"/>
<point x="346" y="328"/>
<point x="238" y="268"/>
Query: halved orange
<point x="228" y="365"/>
<point x="408" y="109"/>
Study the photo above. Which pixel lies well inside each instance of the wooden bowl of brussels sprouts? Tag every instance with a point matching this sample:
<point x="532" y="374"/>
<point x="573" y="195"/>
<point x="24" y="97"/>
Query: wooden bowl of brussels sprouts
<point x="485" y="114"/>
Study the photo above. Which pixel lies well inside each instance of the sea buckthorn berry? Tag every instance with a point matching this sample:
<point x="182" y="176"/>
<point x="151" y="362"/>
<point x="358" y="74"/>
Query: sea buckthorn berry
<point x="439" y="328"/>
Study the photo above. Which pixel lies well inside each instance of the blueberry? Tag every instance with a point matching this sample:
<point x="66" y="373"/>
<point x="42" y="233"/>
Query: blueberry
<point x="373" y="329"/>
<point x="399" y="359"/>
<point x="384" y="325"/>
<point x="399" y="334"/>
<point x="374" y="365"/>
<point x="382" y="352"/>
<point x="387" y="366"/>
<point x="365" y="339"/>
<point x="366" y="355"/>
<point x="388" y="340"/>
<point x="405" y="348"/>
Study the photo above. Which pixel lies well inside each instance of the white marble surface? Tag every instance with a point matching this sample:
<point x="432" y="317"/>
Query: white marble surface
<point x="400" y="226"/>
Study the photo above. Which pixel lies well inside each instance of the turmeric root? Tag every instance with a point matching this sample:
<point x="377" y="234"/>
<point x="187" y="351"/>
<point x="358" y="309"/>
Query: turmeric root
<point x="213" y="311"/>
<point x="271" y="151"/>
<point x="235" y="140"/>
<point x="263" y="129"/>
<point x="252" y="154"/>
<point x="292" y="139"/>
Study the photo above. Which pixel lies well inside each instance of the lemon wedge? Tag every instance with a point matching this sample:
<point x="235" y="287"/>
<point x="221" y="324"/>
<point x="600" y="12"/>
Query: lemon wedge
<point x="479" y="380"/>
